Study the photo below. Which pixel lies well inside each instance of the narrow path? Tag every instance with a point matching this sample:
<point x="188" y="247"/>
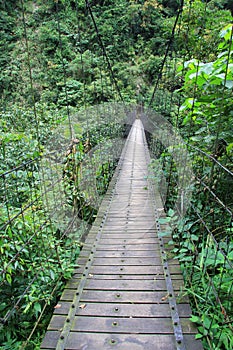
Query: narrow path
<point x="125" y="294"/>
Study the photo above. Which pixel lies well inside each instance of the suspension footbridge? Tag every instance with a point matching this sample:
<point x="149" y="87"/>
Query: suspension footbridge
<point x="116" y="213"/>
<point x="126" y="291"/>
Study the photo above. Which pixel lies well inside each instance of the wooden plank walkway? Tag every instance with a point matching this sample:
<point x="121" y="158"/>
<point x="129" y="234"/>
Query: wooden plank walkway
<point x="125" y="294"/>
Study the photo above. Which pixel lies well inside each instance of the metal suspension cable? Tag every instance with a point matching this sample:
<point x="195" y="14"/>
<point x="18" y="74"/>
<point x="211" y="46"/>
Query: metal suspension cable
<point x="30" y="68"/>
<point x="213" y="159"/>
<point x="184" y="59"/>
<point x="204" y="233"/>
<point x="104" y="50"/>
<point x="167" y="51"/>
<point x="64" y="70"/>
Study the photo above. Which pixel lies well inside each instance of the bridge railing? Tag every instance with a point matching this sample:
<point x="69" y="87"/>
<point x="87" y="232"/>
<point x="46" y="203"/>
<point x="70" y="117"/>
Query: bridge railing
<point x="37" y="252"/>
<point x="202" y="240"/>
<point x="47" y="204"/>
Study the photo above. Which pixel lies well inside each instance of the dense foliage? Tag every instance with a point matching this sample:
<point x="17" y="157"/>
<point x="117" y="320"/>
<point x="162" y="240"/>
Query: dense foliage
<point x="52" y="65"/>
<point x="203" y="237"/>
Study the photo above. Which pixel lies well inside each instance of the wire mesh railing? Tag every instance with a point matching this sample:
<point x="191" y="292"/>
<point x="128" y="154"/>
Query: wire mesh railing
<point x="198" y="102"/>
<point x="57" y="158"/>
<point x="47" y="205"/>
<point x="203" y="244"/>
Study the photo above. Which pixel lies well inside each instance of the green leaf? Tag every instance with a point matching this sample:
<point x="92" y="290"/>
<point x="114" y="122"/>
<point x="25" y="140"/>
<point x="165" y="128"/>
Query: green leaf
<point x="226" y="32"/>
<point x="164" y="220"/>
<point x="186" y="119"/>
<point x="206" y="322"/>
<point x="198" y="336"/>
<point x="37" y="307"/>
<point x="207" y="68"/>
<point x="229" y="84"/>
<point x="164" y="234"/>
<point x="201" y="81"/>
<point x="8" y="278"/>
<point x="170" y="212"/>
<point x="216" y="81"/>
<point x="189" y="102"/>
<point x="195" y="319"/>
<point x="52" y="274"/>
<point x="194" y="237"/>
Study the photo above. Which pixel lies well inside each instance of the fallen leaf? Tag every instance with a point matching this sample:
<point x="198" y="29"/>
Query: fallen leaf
<point x="165" y="297"/>
<point x="57" y="306"/>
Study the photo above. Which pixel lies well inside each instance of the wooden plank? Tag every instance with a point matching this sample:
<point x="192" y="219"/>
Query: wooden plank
<point x="175" y="277"/>
<point x="124" y="215"/>
<point x="95" y="341"/>
<point x="103" y="253"/>
<point x="129" y="284"/>
<point x="133" y="261"/>
<point x="119" y="215"/>
<point x="122" y="301"/>
<point x="136" y="219"/>
<point x="144" y="261"/>
<point x="142" y="218"/>
<point x="136" y="241"/>
<point x="122" y="310"/>
<point x="127" y="297"/>
<point x="129" y="310"/>
<point x="118" y="235"/>
<point x="114" y="296"/>
<point x="132" y="270"/>
<point x="50" y="340"/>
<point x="123" y="325"/>
<point x="129" y="270"/>
<point x="134" y="247"/>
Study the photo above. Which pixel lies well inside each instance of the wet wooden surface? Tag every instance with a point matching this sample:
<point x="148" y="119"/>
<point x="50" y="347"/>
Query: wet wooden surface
<point x="120" y="296"/>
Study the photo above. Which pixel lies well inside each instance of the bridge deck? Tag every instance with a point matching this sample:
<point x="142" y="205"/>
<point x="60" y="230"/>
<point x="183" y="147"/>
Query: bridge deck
<point x="125" y="294"/>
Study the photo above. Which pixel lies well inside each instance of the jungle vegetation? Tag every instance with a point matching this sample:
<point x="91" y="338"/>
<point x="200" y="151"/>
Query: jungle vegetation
<point x="51" y="67"/>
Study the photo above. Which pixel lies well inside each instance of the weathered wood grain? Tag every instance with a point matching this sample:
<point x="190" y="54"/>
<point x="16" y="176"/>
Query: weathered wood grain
<point x="118" y="297"/>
